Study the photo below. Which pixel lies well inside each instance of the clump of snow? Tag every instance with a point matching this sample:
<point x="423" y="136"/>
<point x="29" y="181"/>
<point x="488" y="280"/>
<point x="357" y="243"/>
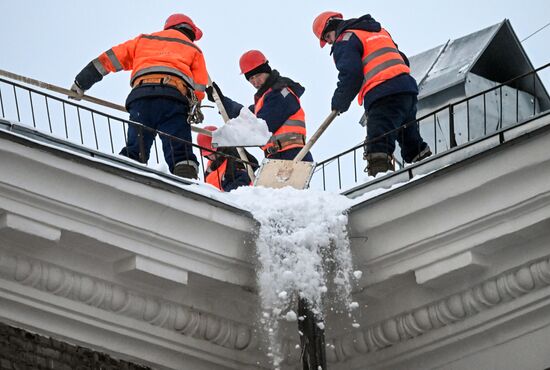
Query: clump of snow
<point x="356" y="325"/>
<point x="244" y="130"/>
<point x="353" y="305"/>
<point x="358" y="274"/>
<point x="303" y="251"/>
<point x="283" y="295"/>
<point x="291" y="316"/>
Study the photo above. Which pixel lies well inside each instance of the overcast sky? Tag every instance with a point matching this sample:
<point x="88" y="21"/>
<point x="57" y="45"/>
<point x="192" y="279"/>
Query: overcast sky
<point x="53" y="40"/>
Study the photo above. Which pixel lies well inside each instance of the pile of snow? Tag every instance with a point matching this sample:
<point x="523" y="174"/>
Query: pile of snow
<point x="303" y="251"/>
<point x="245" y="130"/>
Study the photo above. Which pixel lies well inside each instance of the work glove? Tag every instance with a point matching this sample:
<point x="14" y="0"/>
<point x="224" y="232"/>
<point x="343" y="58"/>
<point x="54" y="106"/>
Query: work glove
<point x="210" y="92"/>
<point x="338" y="106"/>
<point x="78" y="92"/>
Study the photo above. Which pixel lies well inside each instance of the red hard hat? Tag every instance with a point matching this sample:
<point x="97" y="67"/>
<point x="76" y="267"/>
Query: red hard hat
<point x="250" y="60"/>
<point x="320" y="23"/>
<point x="206" y="141"/>
<point x="176" y="19"/>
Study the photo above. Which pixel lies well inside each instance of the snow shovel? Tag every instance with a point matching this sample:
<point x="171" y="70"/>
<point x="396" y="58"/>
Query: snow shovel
<point x="278" y="173"/>
<point x="225" y="116"/>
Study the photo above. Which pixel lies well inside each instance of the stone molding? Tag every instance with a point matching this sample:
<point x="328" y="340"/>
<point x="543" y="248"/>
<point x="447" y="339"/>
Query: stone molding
<point x="122" y="301"/>
<point x="232" y="335"/>
<point x="504" y="288"/>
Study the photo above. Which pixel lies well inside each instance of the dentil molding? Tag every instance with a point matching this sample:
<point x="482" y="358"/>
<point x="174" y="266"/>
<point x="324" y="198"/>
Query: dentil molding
<point x="190" y="322"/>
<point x="504" y="288"/>
<point x="121" y="301"/>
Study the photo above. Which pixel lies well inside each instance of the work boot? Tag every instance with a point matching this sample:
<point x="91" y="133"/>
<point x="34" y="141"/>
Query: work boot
<point x="424" y="153"/>
<point x="378" y="162"/>
<point x="186" y="169"/>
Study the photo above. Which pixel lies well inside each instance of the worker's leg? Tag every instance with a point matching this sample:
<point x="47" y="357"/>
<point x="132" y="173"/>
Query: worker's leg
<point x="173" y="121"/>
<point x="385" y="115"/>
<point x="140" y="139"/>
<point x="409" y="138"/>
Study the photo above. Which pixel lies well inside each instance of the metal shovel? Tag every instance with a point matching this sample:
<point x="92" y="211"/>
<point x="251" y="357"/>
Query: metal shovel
<point x="278" y="173"/>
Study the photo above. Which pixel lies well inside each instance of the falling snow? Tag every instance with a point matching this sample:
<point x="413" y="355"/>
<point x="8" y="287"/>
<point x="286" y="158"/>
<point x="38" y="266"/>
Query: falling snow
<point x="303" y="251"/>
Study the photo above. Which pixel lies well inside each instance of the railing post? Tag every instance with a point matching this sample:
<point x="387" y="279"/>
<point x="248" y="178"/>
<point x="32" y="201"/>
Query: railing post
<point x="2" y="104"/>
<point x="452" y="137"/>
<point x="48" y="113"/>
<point x="324" y="180"/>
<point x="16" y="104"/>
<point x="534" y="93"/>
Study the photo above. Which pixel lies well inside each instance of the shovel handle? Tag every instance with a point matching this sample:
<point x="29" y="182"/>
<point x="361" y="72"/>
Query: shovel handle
<point x="60" y="90"/>
<point x="316" y="136"/>
<point x="225" y="116"/>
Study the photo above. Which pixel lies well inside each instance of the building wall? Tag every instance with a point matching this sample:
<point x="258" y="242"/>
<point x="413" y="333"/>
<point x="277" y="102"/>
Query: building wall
<point x="23" y="350"/>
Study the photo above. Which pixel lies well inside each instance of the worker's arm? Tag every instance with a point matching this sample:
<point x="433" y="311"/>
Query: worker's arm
<point x="347" y="52"/>
<point x="231" y="107"/>
<point x="278" y="106"/>
<point x="118" y="58"/>
<point x="238" y="178"/>
<point x="200" y="75"/>
<point x="236" y="173"/>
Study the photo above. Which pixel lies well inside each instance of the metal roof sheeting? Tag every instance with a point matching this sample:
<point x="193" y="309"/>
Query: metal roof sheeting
<point x="447" y="65"/>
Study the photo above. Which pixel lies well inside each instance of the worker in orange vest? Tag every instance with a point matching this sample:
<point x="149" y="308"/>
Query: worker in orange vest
<point x="371" y="66"/>
<point x="168" y="80"/>
<point x="277" y="102"/>
<point x="224" y="170"/>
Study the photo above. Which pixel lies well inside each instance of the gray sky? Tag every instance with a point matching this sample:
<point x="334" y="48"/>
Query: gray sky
<point x="53" y="40"/>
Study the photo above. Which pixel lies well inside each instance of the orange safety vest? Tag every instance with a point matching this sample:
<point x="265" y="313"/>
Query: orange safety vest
<point x="381" y="59"/>
<point x="169" y="51"/>
<point x="292" y="132"/>
<point x="215" y="177"/>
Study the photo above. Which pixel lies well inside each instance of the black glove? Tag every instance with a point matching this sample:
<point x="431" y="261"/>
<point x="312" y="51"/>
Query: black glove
<point x="210" y="92"/>
<point x="339" y="105"/>
<point x="338" y="108"/>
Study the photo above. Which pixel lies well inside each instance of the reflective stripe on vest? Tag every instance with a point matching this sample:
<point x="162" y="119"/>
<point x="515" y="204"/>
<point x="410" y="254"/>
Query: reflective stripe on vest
<point x="216" y="177"/>
<point x="381" y="60"/>
<point x="291" y="130"/>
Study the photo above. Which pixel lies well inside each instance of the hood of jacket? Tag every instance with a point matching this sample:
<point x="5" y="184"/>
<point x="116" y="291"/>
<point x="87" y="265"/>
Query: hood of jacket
<point x="364" y="23"/>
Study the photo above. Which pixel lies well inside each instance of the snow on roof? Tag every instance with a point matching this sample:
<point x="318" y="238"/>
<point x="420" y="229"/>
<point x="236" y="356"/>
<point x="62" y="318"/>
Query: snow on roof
<point x="195" y="187"/>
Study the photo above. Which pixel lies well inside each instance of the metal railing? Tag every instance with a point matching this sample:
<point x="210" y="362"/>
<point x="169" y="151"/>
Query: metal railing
<point x="450" y="126"/>
<point x="443" y="129"/>
<point x="83" y="125"/>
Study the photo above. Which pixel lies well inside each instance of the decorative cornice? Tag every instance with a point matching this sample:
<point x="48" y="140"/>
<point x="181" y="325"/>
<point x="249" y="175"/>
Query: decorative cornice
<point x="458" y="307"/>
<point x="190" y="322"/>
<point x="121" y="301"/>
